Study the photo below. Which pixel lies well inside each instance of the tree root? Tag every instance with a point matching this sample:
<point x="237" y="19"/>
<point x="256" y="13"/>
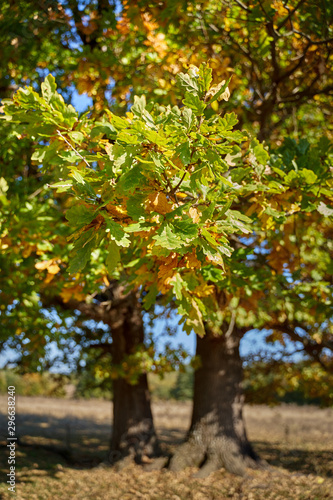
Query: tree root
<point x="188" y="454"/>
<point x="221" y="453"/>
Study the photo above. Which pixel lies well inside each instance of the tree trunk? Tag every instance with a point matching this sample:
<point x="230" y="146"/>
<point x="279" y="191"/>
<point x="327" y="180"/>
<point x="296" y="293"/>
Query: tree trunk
<point x="217" y="436"/>
<point x="133" y="428"/>
<point x="133" y="432"/>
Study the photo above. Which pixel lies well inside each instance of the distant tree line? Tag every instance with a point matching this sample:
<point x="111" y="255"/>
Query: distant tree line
<point x="266" y="382"/>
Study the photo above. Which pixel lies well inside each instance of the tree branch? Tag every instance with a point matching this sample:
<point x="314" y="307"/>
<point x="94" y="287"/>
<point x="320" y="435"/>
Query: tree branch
<point x="291" y="12"/>
<point x="244" y="7"/>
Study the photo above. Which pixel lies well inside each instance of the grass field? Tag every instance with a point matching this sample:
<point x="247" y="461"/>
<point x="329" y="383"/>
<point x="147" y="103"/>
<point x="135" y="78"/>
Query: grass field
<point x="296" y="441"/>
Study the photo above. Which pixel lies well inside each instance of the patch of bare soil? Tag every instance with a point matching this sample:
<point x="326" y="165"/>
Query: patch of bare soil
<point x="63" y="444"/>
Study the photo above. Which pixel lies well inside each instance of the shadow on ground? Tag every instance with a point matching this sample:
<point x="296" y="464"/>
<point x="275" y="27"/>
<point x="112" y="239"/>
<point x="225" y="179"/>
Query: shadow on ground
<point x="294" y="459"/>
<point x="47" y="442"/>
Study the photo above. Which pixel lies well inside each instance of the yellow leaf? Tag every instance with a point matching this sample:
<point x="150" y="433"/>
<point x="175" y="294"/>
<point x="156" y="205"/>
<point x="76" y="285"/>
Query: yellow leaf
<point x="106" y="281"/>
<point x="195" y="320"/>
<point x="204" y="290"/>
<point x="294" y="208"/>
<point x="191" y="261"/>
<point x="158" y="202"/>
<point x="181" y="195"/>
<point x="43" y="265"/>
<point x="53" y="269"/>
<point x="75" y="292"/>
<point x="255" y="207"/>
<point x="49" y="278"/>
<point x="51" y="266"/>
<point x="216" y="259"/>
<point x="117" y="212"/>
<point x="194" y="214"/>
<point x="215" y="105"/>
<point x="28" y="249"/>
<point x="214" y="90"/>
<point x="167" y="270"/>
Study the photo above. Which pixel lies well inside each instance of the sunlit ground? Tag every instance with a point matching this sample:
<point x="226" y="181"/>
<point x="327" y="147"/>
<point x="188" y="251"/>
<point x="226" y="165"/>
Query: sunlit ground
<point x="64" y="442"/>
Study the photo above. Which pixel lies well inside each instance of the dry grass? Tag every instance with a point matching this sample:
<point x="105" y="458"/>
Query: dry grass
<point x="296" y="441"/>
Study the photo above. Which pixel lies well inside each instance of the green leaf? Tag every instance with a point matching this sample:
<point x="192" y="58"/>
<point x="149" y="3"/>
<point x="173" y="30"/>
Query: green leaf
<point x="214" y="253"/>
<point x="185" y="229"/>
<point x="3" y="190"/>
<point x="62" y="186"/>
<point x="291" y="177"/>
<point x="49" y="88"/>
<point x="138" y="226"/>
<point x="139" y="105"/>
<point x="3" y="185"/>
<point x="206" y="234"/>
<point x="184" y="152"/>
<point x="280" y="172"/>
<point x="193" y="101"/>
<point x="215" y="160"/>
<point x="129" y="181"/>
<point x="228" y="121"/>
<point x="187" y="117"/>
<point x="150" y="299"/>
<point x="123" y="156"/>
<point x="135" y="206"/>
<point x="113" y="257"/>
<point x="280" y="216"/>
<point x="309" y="176"/>
<point x="179" y="285"/>
<point x="236" y="220"/>
<point x="69" y="156"/>
<point x="237" y="174"/>
<point x="82" y="250"/>
<point x="103" y="128"/>
<point x="80" y="215"/>
<point x="129" y="136"/>
<point x="77" y="137"/>
<point x="155" y="137"/>
<point x="259" y="152"/>
<point x="205" y="77"/>
<point x="118" y="122"/>
<point x="168" y="239"/>
<point x="69" y="114"/>
<point x="195" y="321"/>
<point x="77" y="176"/>
<point x="188" y="83"/>
<point x="39" y="155"/>
<point x="117" y="233"/>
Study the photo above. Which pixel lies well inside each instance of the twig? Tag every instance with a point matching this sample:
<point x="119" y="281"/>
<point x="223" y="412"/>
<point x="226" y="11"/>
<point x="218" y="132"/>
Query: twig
<point x="244" y="7"/>
<point x="75" y="151"/>
<point x="35" y="193"/>
<point x="290" y="13"/>
<point x="232" y="324"/>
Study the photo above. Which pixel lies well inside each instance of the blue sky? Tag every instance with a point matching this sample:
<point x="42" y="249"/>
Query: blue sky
<point x="252" y="343"/>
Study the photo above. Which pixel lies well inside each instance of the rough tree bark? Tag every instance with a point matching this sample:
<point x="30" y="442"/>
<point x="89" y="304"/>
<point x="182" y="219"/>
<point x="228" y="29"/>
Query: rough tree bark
<point x="133" y="428"/>
<point x="133" y="431"/>
<point x="217" y="436"/>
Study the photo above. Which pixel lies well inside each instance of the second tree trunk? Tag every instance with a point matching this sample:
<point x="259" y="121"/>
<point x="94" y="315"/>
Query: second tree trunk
<point x="217" y="437"/>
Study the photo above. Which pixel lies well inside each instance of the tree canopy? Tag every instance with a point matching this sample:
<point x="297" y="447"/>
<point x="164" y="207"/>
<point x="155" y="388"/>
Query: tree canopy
<point x="164" y="190"/>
